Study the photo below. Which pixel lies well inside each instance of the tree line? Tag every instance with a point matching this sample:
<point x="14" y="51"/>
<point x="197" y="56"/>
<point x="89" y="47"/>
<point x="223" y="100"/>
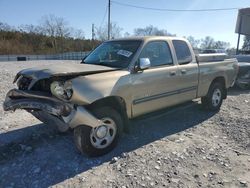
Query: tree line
<point x="54" y="35"/>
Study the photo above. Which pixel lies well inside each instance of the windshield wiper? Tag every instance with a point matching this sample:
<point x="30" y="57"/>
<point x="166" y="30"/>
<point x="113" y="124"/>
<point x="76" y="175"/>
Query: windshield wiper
<point x="108" y="65"/>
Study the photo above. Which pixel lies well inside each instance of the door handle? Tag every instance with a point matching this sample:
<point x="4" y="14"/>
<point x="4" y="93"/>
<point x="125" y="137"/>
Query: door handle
<point x="172" y="73"/>
<point x="183" y="71"/>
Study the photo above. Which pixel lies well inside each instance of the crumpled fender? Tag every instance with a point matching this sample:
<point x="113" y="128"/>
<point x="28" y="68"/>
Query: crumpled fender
<point x="90" y="88"/>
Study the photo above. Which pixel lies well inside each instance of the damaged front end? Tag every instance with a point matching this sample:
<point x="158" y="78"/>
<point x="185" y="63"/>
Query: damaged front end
<point x="35" y="100"/>
<point x="63" y="114"/>
<point x="47" y="98"/>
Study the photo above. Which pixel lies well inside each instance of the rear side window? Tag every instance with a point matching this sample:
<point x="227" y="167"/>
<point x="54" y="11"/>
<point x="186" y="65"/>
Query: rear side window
<point x="182" y="52"/>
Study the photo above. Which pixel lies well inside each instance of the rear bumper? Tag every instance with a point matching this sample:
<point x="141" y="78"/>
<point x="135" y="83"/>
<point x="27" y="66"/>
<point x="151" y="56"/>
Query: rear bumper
<point x="31" y="101"/>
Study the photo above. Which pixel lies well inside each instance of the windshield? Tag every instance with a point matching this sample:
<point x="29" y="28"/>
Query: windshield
<point x="113" y="53"/>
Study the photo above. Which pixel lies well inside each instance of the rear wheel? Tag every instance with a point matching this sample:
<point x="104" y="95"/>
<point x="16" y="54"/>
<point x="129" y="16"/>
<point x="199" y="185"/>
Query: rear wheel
<point x="102" y="139"/>
<point x="214" y="98"/>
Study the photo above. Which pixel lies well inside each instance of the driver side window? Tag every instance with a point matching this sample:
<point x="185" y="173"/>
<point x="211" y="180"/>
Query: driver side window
<point x="158" y="53"/>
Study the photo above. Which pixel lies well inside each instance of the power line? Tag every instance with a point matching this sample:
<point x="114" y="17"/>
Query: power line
<point x="105" y="14"/>
<point x="174" y="10"/>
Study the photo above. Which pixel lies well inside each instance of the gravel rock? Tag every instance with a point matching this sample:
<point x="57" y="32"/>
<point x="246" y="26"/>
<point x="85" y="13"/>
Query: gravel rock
<point x="114" y="160"/>
<point x="157" y="167"/>
<point x="243" y="182"/>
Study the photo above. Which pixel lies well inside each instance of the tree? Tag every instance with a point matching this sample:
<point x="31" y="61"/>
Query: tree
<point x="210" y="43"/>
<point x="54" y="26"/>
<point x="102" y="32"/>
<point x="246" y="44"/>
<point x="194" y="42"/>
<point x="38" y="39"/>
<point x="77" y="34"/>
<point x="221" y="45"/>
<point x="57" y="28"/>
<point x="6" y="27"/>
<point x="151" y="30"/>
<point x="126" y="34"/>
<point x="207" y="43"/>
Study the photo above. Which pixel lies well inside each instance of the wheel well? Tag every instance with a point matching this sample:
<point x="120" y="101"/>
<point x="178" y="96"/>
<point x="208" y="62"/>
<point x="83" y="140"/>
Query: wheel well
<point x="222" y="81"/>
<point x="117" y="103"/>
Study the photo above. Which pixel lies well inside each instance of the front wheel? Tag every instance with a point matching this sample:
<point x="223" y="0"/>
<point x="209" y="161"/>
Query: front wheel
<point x="214" y="98"/>
<point x="102" y="139"/>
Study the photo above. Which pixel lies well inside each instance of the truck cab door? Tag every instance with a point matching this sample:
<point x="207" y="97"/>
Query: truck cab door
<point x="188" y="71"/>
<point x="153" y="89"/>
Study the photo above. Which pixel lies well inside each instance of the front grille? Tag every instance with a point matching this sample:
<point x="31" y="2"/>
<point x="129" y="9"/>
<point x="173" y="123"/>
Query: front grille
<point x="23" y="83"/>
<point x="42" y="85"/>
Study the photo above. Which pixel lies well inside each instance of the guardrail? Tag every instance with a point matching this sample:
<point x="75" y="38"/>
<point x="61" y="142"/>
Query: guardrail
<point x="60" y="56"/>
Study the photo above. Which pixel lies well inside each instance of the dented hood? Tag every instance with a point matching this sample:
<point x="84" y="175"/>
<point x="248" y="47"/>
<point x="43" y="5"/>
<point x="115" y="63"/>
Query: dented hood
<point x="59" y="70"/>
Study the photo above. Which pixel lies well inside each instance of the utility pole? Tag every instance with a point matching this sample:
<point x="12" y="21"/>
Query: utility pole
<point x="109" y="21"/>
<point x="93" y="35"/>
<point x="93" y="31"/>
<point x="238" y="42"/>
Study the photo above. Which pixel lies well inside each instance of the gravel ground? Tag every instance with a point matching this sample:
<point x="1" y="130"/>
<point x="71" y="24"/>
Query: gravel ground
<point x="200" y="149"/>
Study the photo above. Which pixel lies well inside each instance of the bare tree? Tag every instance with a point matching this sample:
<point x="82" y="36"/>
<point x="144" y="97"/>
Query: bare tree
<point x="221" y="45"/>
<point x="151" y="30"/>
<point x="207" y="43"/>
<point x="57" y="28"/>
<point x="5" y="27"/>
<point x="30" y="28"/>
<point x="194" y="42"/>
<point x="126" y="34"/>
<point x="246" y="44"/>
<point x="54" y="26"/>
<point x="210" y="43"/>
<point x="102" y="32"/>
<point x="77" y="33"/>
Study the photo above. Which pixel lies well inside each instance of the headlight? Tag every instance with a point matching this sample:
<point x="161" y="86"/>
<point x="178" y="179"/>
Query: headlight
<point x="61" y="89"/>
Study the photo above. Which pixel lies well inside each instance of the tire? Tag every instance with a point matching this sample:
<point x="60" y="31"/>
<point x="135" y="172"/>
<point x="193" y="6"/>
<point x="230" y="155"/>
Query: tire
<point x="213" y="100"/>
<point x="87" y="140"/>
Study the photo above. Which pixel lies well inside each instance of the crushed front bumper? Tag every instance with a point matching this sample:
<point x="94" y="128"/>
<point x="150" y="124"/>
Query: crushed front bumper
<point x="72" y="115"/>
<point x="32" y="100"/>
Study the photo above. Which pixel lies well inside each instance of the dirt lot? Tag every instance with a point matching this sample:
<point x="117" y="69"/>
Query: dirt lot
<point x="178" y="147"/>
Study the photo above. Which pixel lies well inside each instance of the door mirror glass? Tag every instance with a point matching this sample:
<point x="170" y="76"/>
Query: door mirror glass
<point x="144" y="63"/>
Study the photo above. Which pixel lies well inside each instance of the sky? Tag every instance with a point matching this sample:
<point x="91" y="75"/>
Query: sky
<point x="81" y="14"/>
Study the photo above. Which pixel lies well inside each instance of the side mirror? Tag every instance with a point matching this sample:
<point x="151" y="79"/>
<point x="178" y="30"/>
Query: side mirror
<point x="144" y="63"/>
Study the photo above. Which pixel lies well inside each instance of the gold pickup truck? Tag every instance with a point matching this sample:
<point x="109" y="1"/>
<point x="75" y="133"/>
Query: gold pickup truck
<point x="118" y="81"/>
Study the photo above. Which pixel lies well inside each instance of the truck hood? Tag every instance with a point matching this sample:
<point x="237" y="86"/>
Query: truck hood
<point x="72" y="70"/>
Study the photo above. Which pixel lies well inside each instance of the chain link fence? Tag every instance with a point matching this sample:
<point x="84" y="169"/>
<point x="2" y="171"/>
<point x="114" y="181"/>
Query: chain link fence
<point x="61" y="56"/>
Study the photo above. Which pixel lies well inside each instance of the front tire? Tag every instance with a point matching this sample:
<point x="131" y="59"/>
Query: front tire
<point x="213" y="100"/>
<point x="99" y="140"/>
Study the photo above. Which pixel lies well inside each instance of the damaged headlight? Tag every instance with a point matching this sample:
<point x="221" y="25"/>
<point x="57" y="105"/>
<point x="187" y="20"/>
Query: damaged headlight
<point x="62" y="90"/>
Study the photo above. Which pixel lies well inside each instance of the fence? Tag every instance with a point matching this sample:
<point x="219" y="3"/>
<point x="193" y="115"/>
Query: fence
<point x="61" y="56"/>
